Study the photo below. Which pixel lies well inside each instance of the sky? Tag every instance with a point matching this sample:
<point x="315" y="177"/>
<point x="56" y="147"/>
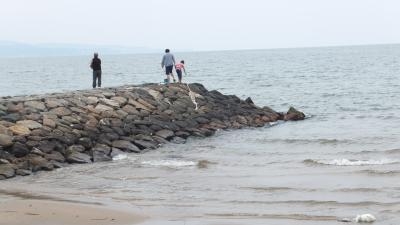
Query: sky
<point x="202" y="24"/>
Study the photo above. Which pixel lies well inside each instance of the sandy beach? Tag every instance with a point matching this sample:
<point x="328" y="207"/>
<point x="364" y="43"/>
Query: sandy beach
<point x="45" y="212"/>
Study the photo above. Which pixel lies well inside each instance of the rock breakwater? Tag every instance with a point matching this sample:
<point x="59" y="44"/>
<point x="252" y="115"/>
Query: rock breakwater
<point x="44" y="132"/>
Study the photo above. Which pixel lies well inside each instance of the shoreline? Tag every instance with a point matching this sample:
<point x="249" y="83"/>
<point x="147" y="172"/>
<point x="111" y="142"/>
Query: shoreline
<point x="39" y="212"/>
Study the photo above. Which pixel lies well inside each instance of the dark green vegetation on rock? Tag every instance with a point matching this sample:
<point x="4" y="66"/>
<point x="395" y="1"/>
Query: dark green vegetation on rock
<point x="50" y="131"/>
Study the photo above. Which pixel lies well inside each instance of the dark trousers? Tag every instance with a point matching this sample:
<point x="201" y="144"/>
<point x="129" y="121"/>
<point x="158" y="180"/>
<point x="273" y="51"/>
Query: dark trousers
<point x="96" y="77"/>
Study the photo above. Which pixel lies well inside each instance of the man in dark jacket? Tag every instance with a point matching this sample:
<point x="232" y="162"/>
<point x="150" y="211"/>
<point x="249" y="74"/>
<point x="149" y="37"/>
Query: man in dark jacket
<point x="96" y="66"/>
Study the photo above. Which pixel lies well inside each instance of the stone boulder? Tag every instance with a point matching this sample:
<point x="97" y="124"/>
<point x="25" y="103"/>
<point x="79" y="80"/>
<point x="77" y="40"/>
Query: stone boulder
<point x="78" y="157"/>
<point x="61" y="111"/>
<point x="101" y="153"/>
<point x="37" y="163"/>
<point x="293" y="115"/>
<point x="76" y="148"/>
<point x="125" y="145"/>
<point x="5" y="140"/>
<point x="35" y="105"/>
<point x="146" y="144"/>
<point x="164" y="133"/>
<point x="19" y="150"/>
<point x="178" y="140"/>
<point x="5" y="130"/>
<point x="20" y="129"/>
<point x="55" y="156"/>
<point x="29" y="124"/>
<point x="54" y="103"/>
<point x="110" y="102"/>
<point x="6" y="171"/>
<point x="23" y="172"/>
<point x="102" y="108"/>
<point x="115" y="152"/>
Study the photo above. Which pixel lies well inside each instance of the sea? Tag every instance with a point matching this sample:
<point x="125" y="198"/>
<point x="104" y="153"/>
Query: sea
<point x="342" y="161"/>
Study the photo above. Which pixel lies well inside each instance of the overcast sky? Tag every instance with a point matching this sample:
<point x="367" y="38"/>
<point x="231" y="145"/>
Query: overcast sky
<point x="202" y="24"/>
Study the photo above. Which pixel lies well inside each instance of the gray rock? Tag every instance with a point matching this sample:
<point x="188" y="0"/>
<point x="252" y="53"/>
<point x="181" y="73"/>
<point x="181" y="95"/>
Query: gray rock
<point x="101" y="108"/>
<point x="13" y="117"/>
<point x="33" y="116"/>
<point x="39" y="163"/>
<point x="178" y="140"/>
<point x="109" y="102"/>
<point x="70" y="120"/>
<point x="182" y="134"/>
<point x="47" y="146"/>
<point x="61" y="111"/>
<point x="145" y="144"/>
<point x="22" y="172"/>
<point x="76" y="148"/>
<point x="49" y="123"/>
<point x="294" y="115"/>
<point x="249" y="101"/>
<point x="5" y="140"/>
<point x="35" y="105"/>
<point x="120" y="100"/>
<point x="115" y="152"/>
<point x="4" y="161"/>
<point x="7" y="170"/>
<point x="92" y="100"/>
<point x="101" y="153"/>
<point x="102" y="148"/>
<point x="130" y="110"/>
<point x="126" y="146"/>
<point x="202" y="120"/>
<point x="57" y="164"/>
<point x="53" y="103"/>
<point x="85" y="142"/>
<point x="6" y="156"/>
<point x="55" y="156"/>
<point x="121" y="113"/>
<point x="160" y="140"/>
<point x="37" y="151"/>
<point x="19" y="150"/>
<point x="140" y="105"/>
<point x="20" y="129"/>
<point x="166" y="134"/>
<point x="3" y="108"/>
<point x="15" y="108"/>
<point x="78" y="157"/>
<point x="108" y="94"/>
<point x="5" y="130"/>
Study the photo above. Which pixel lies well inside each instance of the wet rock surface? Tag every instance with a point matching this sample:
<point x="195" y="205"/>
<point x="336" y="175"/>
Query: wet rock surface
<point x="45" y="132"/>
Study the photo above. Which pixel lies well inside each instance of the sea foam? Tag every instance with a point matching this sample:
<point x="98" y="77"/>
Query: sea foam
<point x="169" y="163"/>
<point x="351" y="162"/>
<point x="120" y="157"/>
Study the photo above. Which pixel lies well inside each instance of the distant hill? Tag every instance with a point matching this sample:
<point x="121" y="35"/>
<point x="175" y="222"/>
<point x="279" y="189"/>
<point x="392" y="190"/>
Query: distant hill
<point x="17" y="49"/>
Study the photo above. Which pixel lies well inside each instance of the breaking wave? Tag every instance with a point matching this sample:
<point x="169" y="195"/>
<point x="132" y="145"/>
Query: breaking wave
<point x="169" y="163"/>
<point x="321" y="141"/>
<point x="349" y="162"/>
<point x="120" y="157"/>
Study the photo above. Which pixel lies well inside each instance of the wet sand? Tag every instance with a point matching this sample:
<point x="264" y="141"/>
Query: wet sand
<point x="45" y="212"/>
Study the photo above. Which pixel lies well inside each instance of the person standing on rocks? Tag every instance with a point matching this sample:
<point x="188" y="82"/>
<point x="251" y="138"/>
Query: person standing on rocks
<point x="168" y="61"/>
<point x="179" y="67"/>
<point x="96" y="66"/>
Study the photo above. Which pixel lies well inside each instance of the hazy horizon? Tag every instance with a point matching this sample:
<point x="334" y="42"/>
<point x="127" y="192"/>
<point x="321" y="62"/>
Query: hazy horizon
<point x="202" y="26"/>
<point x="81" y="49"/>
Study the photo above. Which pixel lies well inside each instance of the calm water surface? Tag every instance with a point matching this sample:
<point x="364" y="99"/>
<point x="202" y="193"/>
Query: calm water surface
<point x="342" y="161"/>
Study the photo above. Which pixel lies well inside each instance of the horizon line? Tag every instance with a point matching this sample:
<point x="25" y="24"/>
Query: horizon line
<point x="182" y="50"/>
